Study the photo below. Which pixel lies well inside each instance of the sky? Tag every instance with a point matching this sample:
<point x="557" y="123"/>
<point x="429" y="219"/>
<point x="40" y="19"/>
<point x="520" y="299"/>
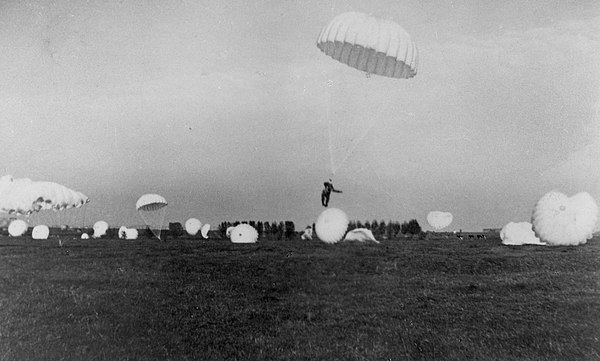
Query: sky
<point x="230" y="111"/>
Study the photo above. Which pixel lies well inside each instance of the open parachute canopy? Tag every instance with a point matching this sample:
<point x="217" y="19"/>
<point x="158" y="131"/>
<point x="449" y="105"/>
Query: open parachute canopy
<point x="370" y="44"/>
<point x="439" y="220"/>
<point x="22" y="196"/>
<point x="151" y="208"/>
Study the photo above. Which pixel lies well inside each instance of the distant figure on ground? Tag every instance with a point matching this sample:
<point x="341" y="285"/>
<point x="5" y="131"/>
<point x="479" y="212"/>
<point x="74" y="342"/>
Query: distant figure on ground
<point x="327" y="192"/>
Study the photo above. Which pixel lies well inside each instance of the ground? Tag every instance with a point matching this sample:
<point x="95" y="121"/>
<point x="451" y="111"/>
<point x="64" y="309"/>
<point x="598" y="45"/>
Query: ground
<point x="427" y="299"/>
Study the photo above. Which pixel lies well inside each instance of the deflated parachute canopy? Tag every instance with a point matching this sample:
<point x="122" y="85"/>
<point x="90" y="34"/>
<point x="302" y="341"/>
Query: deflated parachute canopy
<point x="360" y="235"/>
<point x="331" y="225"/>
<point x="40" y="232"/>
<point x="307" y="235"/>
<point x="370" y="44"/>
<point x="17" y="228"/>
<point x="439" y="220"/>
<point x="85" y="236"/>
<point x="24" y="196"/>
<point x="192" y="226"/>
<point x="560" y="220"/>
<point x="100" y="229"/>
<point x="131" y="233"/>
<point x="244" y="233"/>
<point x="204" y="231"/>
<point x="517" y="234"/>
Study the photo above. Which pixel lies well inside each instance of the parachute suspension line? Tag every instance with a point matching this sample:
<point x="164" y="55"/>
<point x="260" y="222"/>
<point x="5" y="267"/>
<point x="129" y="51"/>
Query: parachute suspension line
<point x="329" y="133"/>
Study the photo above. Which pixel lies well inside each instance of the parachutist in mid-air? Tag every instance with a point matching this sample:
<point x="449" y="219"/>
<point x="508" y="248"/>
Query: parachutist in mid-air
<point x="327" y="192"/>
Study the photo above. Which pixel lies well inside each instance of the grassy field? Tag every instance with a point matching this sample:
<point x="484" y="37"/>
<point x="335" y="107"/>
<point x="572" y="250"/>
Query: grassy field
<point x="294" y="300"/>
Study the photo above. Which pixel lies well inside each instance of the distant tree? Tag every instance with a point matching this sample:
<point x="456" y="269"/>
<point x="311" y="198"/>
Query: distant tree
<point x="351" y="225"/>
<point x="411" y="227"/>
<point x="111" y="233"/>
<point x="367" y="225"/>
<point x="280" y="230"/>
<point x="290" y="230"/>
<point x="382" y="228"/>
<point x="359" y="224"/>
<point x="148" y="233"/>
<point x="267" y="228"/>
<point x="259" y="228"/>
<point x="175" y="229"/>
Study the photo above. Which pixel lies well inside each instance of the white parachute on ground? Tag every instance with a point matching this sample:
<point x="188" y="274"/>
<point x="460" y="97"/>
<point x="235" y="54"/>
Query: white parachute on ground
<point x="204" y="230"/>
<point x="85" y="236"/>
<point x="244" y="233"/>
<point x="370" y="44"/>
<point x="331" y="225"/>
<point x="228" y="231"/>
<point x="40" y="232"/>
<point x="100" y="229"/>
<point x="122" y="232"/>
<point x="560" y="220"/>
<point x="192" y="226"/>
<point x="307" y="235"/>
<point x="519" y="233"/>
<point x="360" y="235"/>
<point x="17" y="228"/>
<point x="439" y="220"/>
<point x="152" y="209"/>
<point x="131" y="233"/>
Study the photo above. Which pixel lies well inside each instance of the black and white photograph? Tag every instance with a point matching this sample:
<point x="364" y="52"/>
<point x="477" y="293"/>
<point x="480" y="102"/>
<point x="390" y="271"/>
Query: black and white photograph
<point x="299" y="180"/>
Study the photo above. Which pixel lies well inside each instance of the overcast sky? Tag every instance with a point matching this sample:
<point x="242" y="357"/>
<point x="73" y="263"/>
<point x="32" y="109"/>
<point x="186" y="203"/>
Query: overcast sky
<point x="223" y="108"/>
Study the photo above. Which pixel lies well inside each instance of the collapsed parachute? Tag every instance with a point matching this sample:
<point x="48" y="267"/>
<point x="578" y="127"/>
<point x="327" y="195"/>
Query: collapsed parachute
<point x="204" y="230"/>
<point x="192" y="226"/>
<point x="307" y="235"/>
<point x="151" y="208"/>
<point x="100" y="229"/>
<point x="131" y="233"/>
<point x="17" y="228"/>
<point x="517" y="234"/>
<point x="331" y="225"/>
<point x="370" y="44"/>
<point x="439" y="220"/>
<point x="360" y="235"/>
<point x="560" y="220"/>
<point x="244" y="233"/>
<point x="40" y="232"/>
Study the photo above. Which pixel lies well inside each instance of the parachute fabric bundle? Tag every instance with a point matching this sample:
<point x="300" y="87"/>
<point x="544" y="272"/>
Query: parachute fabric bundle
<point x="331" y="225"/>
<point x="85" y="236"/>
<point x="307" y="235"/>
<point x="560" y="220"/>
<point x="192" y="226"/>
<point x="370" y="44"/>
<point x="40" y="232"/>
<point x="17" y="228"/>
<point x="228" y="231"/>
<point x="439" y="220"/>
<point x="131" y="233"/>
<point x="360" y="235"/>
<point x="244" y="233"/>
<point x="517" y="234"/>
<point x="100" y="229"/>
<point x="204" y="231"/>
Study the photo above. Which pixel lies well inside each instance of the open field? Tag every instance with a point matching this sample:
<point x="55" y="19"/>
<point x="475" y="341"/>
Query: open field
<point x="293" y="300"/>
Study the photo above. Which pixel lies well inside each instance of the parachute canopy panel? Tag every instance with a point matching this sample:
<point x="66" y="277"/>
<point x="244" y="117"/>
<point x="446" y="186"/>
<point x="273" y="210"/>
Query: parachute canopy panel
<point x="370" y="44"/>
<point x="150" y="202"/>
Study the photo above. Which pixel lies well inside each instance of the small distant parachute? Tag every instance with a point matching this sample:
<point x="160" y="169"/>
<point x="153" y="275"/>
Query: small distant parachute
<point x="122" y="232"/>
<point x="131" y="233"/>
<point x="307" y="235"/>
<point x="17" y="228"/>
<point x="228" y="231"/>
<point x="562" y="221"/>
<point x="40" y="232"/>
<point x="192" y="226"/>
<point x="244" y="233"/>
<point x="85" y="236"/>
<point x="370" y="44"/>
<point x="360" y="235"/>
<point x="152" y="209"/>
<point x="439" y="220"/>
<point x="100" y="229"/>
<point x="519" y="233"/>
<point x="331" y="225"/>
<point x="204" y="230"/>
